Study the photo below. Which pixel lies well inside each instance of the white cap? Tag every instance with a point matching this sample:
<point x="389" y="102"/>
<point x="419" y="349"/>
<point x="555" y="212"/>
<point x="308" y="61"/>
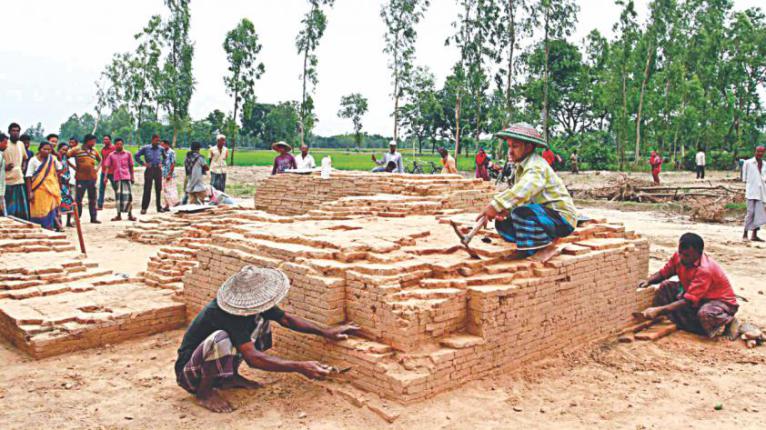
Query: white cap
<point x="392" y="143"/>
<point x="220" y="136"/>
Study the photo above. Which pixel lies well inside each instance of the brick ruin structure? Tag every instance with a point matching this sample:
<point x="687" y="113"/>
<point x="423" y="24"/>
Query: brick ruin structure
<point x="432" y="318"/>
<point x="376" y="250"/>
<point x="52" y="300"/>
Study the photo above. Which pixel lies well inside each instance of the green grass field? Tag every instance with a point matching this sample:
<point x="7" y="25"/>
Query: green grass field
<point x="342" y="160"/>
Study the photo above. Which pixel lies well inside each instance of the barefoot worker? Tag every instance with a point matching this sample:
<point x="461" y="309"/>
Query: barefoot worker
<point x="702" y="300"/>
<point x="753" y="174"/>
<point x="233" y="327"/>
<point x="537" y="209"/>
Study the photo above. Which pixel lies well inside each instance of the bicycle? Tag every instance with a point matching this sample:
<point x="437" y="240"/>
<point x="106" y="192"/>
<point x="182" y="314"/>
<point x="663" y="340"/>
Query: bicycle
<point x="435" y="168"/>
<point x="416" y="168"/>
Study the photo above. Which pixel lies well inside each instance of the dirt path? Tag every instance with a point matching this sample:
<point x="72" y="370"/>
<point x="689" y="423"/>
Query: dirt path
<point x="671" y="384"/>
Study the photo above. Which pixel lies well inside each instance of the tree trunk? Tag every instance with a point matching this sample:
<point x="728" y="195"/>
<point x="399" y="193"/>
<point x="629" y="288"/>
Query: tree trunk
<point x="303" y="105"/>
<point x="545" y="83"/>
<point x="624" y="118"/>
<point x="457" y="126"/>
<point x="649" y="56"/>
<point x="175" y="134"/>
<point x="509" y="83"/>
<point x="234" y="130"/>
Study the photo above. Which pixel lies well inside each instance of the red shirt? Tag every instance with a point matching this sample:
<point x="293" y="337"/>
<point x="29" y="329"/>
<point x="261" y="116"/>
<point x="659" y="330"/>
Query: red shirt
<point x="703" y="281"/>
<point x="105" y="151"/>
<point x="549" y="156"/>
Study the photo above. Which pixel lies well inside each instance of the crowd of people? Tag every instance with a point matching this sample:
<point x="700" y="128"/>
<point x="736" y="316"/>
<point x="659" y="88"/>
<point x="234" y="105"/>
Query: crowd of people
<point x="46" y="185"/>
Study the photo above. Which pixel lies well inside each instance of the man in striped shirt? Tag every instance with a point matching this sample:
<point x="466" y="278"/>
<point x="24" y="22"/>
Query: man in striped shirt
<point x="537" y="209"/>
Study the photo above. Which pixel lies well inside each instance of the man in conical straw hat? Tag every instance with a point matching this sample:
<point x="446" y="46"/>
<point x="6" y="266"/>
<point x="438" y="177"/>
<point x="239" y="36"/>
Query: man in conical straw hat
<point x="537" y="209"/>
<point x="233" y="327"/>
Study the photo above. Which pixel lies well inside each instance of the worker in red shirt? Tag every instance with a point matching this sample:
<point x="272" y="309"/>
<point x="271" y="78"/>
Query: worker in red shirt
<point x="702" y="300"/>
<point x="549" y="156"/>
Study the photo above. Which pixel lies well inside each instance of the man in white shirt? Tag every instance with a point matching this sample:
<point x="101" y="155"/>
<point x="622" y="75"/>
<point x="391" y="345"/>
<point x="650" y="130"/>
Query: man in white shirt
<point x="218" y="155"/>
<point x="753" y="175"/>
<point x="391" y="156"/>
<point x="305" y="160"/>
<point x="700" y="159"/>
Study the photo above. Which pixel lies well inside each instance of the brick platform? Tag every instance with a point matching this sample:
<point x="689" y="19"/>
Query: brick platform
<point x="432" y="318"/>
<point x="53" y="301"/>
<point x="352" y="193"/>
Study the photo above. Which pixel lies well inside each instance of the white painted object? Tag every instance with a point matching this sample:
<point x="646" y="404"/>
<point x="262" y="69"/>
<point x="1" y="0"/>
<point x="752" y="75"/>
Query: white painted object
<point x="326" y="167"/>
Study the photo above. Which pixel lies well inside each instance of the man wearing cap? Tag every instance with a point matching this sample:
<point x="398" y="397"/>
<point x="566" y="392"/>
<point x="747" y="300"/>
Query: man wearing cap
<point x="218" y="155"/>
<point x="233" y="327"/>
<point x="537" y="209"/>
<point x="448" y="162"/>
<point x="391" y="156"/>
<point x="284" y="160"/>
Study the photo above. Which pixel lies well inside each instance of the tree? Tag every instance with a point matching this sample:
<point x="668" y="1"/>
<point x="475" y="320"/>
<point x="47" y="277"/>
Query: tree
<point x="510" y="26"/>
<point x="312" y="30"/>
<point x="557" y="18"/>
<point x="421" y="113"/>
<point x="401" y="17"/>
<point x="177" y="81"/>
<point x="216" y="119"/>
<point x="242" y="48"/>
<point x="353" y="107"/>
<point x="36" y="133"/>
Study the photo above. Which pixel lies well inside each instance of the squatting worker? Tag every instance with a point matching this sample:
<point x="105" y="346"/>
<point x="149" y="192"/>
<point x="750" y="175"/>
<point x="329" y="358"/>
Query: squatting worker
<point x="448" y="162"/>
<point x="537" y="209"/>
<point x="702" y="300"/>
<point x="233" y="327"/>
<point x="753" y="175"/>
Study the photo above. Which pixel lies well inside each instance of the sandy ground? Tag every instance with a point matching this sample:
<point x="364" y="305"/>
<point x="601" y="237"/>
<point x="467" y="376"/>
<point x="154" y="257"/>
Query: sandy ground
<point x="674" y="383"/>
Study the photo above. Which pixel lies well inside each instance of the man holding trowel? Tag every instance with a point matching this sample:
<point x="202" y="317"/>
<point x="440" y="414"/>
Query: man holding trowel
<point x="537" y="210"/>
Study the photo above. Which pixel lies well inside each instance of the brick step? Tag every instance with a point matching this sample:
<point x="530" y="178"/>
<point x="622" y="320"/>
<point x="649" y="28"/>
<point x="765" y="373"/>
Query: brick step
<point x="461" y="341"/>
<point x="428" y="294"/>
<point x="83" y="284"/>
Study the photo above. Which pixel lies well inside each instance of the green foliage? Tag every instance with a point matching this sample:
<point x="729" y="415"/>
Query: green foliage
<point x="401" y="17"/>
<point x="177" y="81"/>
<point x="312" y="29"/>
<point x="353" y="107"/>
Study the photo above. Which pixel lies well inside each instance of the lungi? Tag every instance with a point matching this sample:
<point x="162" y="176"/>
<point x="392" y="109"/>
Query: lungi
<point x="218" y="181"/>
<point x="215" y="357"/>
<point x="533" y="226"/>
<point x="123" y="196"/>
<point x="169" y="192"/>
<point x="17" y="201"/>
<point x="708" y="319"/>
<point x="755" y="217"/>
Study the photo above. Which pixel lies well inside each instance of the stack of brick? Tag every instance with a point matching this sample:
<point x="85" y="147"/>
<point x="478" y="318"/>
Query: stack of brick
<point x="431" y="317"/>
<point x="300" y="194"/>
<point x="53" y="301"/>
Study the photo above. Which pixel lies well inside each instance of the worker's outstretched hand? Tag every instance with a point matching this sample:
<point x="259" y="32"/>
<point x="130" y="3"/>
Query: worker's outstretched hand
<point x="314" y="369"/>
<point x="651" y="313"/>
<point x="489" y="213"/>
<point x="643" y="284"/>
<point x="340" y="332"/>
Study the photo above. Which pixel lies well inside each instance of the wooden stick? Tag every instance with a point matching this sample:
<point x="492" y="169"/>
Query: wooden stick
<point x="79" y="229"/>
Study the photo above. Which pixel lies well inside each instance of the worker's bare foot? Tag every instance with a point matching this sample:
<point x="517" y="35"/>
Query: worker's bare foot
<point x="117" y="218"/>
<point x="546" y="253"/>
<point x="131" y="218"/>
<point x="239" y="381"/>
<point x="214" y="402"/>
<point x="756" y="239"/>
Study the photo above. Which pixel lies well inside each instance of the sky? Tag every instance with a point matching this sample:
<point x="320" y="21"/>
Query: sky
<point x="55" y="51"/>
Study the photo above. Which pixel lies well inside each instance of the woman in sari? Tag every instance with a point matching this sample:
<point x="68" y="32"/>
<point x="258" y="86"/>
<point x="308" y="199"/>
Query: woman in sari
<point x="43" y="187"/>
<point x="67" y="202"/>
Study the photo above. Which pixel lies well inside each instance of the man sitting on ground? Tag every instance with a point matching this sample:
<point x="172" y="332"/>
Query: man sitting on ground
<point x="537" y="209"/>
<point x="233" y="327"/>
<point x="702" y="300"/>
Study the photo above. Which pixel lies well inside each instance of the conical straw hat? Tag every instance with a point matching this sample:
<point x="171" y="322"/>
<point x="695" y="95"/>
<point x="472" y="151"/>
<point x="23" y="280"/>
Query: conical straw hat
<point x="253" y="290"/>
<point x="523" y="131"/>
